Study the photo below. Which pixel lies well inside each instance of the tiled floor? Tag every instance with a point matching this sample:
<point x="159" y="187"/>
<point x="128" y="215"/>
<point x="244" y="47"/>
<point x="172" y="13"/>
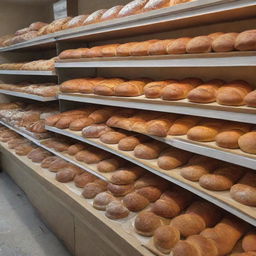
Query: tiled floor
<point x="22" y="233"/>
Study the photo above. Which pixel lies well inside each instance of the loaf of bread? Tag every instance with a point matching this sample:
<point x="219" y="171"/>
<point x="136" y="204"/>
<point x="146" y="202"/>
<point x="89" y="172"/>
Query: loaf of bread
<point x="92" y="155"/>
<point x="94" y="52"/>
<point x="159" y="47"/>
<point x="107" y="87"/>
<point x="48" y="161"/>
<point x="202" y="44"/>
<point x="120" y="190"/>
<point x="225" y="42"/>
<point x="151" y="180"/>
<point x="233" y="94"/>
<point x="173" y="158"/>
<point x="246" y="41"/>
<point x="247" y="142"/>
<point x="155" y="89"/>
<point x="109" y="50"/>
<point x="74" y="53"/>
<point x="116" y="210"/>
<point x="250" y="99"/>
<point x="156" y="4"/>
<point x="182" y="125"/>
<point x="68" y="173"/>
<point x="244" y="254"/>
<point x="82" y="179"/>
<point x="57" y="164"/>
<point x="141" y="48"/>
<point x="126" y="175"/>
<point x="112" y="137"/>
<point x="131" y="88"/>
<point x="94" y="17"/>
<point x="171" y="203"/>
<point x="101" y="200"/>
<point x="80" y="123"/>
<point x="75" y="22"/>
<point x="205" y="93"/>
<point x="152" y="193"/>
<point x="178" y="46"/>
<point x="124" y="49"/>
<point x="95" y="131"/>
<point x="205" y="130"/>
<point x="245" y="190"/>
<point x="160" y="126"/>
<point x="146" y="223"/>
<point x="65" y="121"/>
<point x="249" y="242"/>
<point x="131" y="8"/>
<point x="222" y="178"/>
<point x="110" y="165"/>
<point x="198" y="166"/>
<point x="38" y="155"/>
<point x="135" y="202"/>
<point x="24" y="149"/>
<point x="92" y="189"/>
<point x="111" y="13"/>
<point x="149" y="150"/>
<point x="74" y="149"/>
<point x="129" y="143"/>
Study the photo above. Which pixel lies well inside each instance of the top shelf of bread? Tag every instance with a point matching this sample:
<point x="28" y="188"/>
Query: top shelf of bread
<point x="189" y="13"/>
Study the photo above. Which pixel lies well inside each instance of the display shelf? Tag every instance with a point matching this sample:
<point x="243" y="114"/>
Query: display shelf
<point x="74" y="213"/>
<point x="222" y="199"/>
<point x="28" y="96"/>
<point x="229" y="59"/>
<point x="28" y="72"/>
<point x="170" y="18"/>
<point x="211" y="110"/>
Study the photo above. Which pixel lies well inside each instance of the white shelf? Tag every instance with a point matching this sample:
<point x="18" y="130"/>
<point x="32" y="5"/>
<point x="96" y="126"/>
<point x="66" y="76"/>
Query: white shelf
<point x="28" y="96"/>
<point x="172" y="176"/>
<point x="213" y="110"/>
<point x="230" y="59"/>
<point x="27" y="72"/>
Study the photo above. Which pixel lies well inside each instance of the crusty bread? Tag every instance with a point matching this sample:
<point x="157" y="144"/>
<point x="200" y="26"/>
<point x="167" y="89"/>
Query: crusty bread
<point x="249" y="242"/>
<point x="141" y="48"/>
<point x="131" y="8"/>
<point x="135" y="202"/>
<point x="80" y="123"/>
<point x="95" y="131"/>
<point x="92" y="189"/>
<point x="102" y="199"/>
<point x="178" y="46"/>
<point x="112" y="137"/>
<point x="124" y="49"/>
<point x="246" y="41"/>
<point x="84" y="178"/>
<point x="106" y="87"/>
<point x="155" y="4"/>
<point x="109" y="50"/>
<point x="155" y="89"/>
<point x="225" y="42"/>
<point x="130" y="142"/>
<point x="110" y="165"/>
<point x="247" y="142"/>
<point x="116" y="210"/>
<point x="250" y="99"/>
<point x="120" y="190"/>
<point x="73" y="149"/>
<point x="75" y="22"/>
<point x="150" y="150"/>
<point x="111" y="13"/>
<point x="159" y="47"/>
<point x="94" y="17"/>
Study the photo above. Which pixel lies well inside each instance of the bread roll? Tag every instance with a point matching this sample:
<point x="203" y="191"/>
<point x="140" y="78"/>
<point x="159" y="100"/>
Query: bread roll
<point x="106" y="87"/>
<point x="95" y="131"/>
<point x="165" y="237"/>
<point x="250" y="99"/>
<point x="57" y="165"/>
<point x="245" y="190"/>
<point x="94" y="188"/>
<point x="205" y="93"/>
<point x="111" y="13"/>
<point x="141" y="48"/>
<point x="129" y="143"/>
<point x="116" y="210"/>
<point x="84" y="178"/>
<point x="74" y="149"/>
<point x="110" y="165"/>
<point x="101" y="200"/>
<point x="173" y="158"/>
<point x="246" y="41"/>
<point x="225" y="42"/>
<point x="120" y="190"/>
<point x="146" y="223"/>
<point x="198" y="166"/>
<point x="233" y="94"/>
<point x="126" y="176"/>
<point x="222" y="178"/>
<point x="150" y="192"/>
<point x="149" y="150"/>
<point x="183" y="124"/>
<point x="249" y="242"/>
<point x="247" y="142"/>
<point x="94" y="17"/>
<point x="178" y="46"/>
<point x="130" y="89"/>
<point x="159" y="47"/>
<point x="154" y="89"/>
<point x="205" y="130"/>
<point x="135" y="202"/>
<point x="48" y="161"/>
<point x="131" y="8"/>
<point x="112" y="137"/>
<point x="202" y="44"/>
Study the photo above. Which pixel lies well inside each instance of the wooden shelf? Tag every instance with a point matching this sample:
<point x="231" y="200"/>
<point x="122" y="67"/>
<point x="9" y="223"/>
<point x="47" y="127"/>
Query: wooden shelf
<point x="212" y="110"/>
<point x="229" y="59"/>
<point x="28" y="72"/>
<point x="28" y="96"/>
<point x="79" y="216"/>
<point x="222" y="199"/>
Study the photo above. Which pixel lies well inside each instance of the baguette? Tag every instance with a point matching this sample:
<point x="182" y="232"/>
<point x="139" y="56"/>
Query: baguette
<point x="131" y="8"/>
<point x="111" y="13"/>
<point x="94" y="17"/>
<point x="155" y="4"/>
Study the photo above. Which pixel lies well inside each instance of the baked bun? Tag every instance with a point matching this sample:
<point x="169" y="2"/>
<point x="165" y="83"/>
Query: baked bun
<point x="146" y="223"/>
<point x="250" y="99"/>
<point x="92" y="189"/>
<point x="165" y="237"/>
<point x="135" y="202"/>
<point x="95" y="131"/>
<point x="101" y="200"/>
<point x="229" y="139"/>
<point x="116" y="210"/>
<point x="130" y="142"/>
<point x="246" y="41"/>
<point x="84" y="178"/>
<point x="249" y="242"/>
<point x="120" y="190"/>
<point x="247" y="142"/>
<point x="112" y="137"/>
<point x="110" y="165"/>
<point x="225" y="42"/>
<point x="150" y="150"/>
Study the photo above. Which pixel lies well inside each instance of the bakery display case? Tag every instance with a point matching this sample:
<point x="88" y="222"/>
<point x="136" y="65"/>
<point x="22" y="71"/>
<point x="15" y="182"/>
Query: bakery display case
<point x="146" y="144"/>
